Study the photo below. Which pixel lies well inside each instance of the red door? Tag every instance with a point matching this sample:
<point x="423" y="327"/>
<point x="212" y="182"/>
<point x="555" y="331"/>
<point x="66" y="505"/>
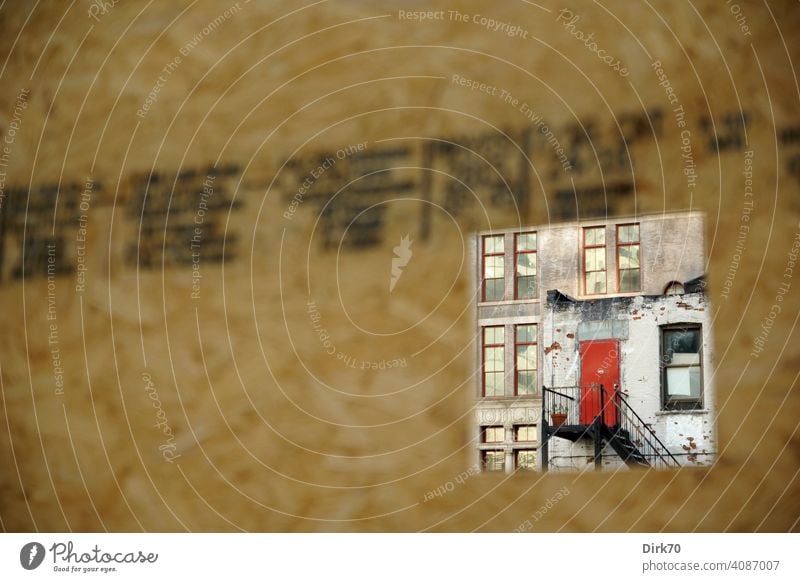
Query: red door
<point x="599" y="366"/>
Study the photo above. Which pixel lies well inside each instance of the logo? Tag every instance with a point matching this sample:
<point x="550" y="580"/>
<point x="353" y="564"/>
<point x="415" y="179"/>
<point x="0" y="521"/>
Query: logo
<point x="402" y="254"/>
<point x="31" y="555"/>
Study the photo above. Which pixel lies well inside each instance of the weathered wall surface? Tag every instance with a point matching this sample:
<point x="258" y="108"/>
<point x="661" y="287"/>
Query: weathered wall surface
<point x="690" y="435"/>
<point x="200" y="204"/>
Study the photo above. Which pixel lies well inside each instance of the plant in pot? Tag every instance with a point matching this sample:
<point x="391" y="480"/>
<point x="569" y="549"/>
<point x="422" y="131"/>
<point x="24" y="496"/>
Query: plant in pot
<point x="558" y="416"/>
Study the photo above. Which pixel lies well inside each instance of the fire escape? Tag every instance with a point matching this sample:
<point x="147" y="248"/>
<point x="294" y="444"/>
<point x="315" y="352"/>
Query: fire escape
<point x="604" y="416"/>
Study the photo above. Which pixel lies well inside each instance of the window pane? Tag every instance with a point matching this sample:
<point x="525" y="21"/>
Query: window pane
<point x="495" y="290"/>
<point x="494" y="460"/>
<point x="493" y="267"/>
<point x="526" y="242"/>
<point x="526" y="333"/>
<point x="526" y="357"/>
<point x="684" y="382"/>
<point x="526" y="264"/>
<point x="526" y="383"/>
<point x="526" y="460"/>
<point x="493" y="244"/>
<point x="680" y="341"/>
<point x="526" y="288"/>
<point x="629" y="233"/>
<point x="494" y="385"/>
<point x="629" y="280"/>
<point x="493" y="434"/>
<point x="525" y="433"/>
<point x="493" y="359"/>
<point x="595" y="236"/>
<point x="629" y="257"/>
<point x="595" y="259"/>
<point x="494" y="334"/>
<point x="596" y="282"/>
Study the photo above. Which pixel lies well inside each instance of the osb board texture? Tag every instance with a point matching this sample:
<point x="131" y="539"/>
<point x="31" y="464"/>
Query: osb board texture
<point x="272" y="432"/>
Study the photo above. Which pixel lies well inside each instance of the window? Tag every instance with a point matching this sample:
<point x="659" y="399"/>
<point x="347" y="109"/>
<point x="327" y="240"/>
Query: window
<point x="525" y="261"/>
<point x="525" y="433"/>
<point x="525" y="460"/>
<point x="493" y="460"/>
<point x="493" y="268"/>
<point x="628" y="265"/>
<point x="674" y="288"/>
<point x="682" y="377"/>
<point x="525" y="348"/>
<point x="594" y="260"/>
<point x="493" y="434"/>
<point x="493" y="361"/>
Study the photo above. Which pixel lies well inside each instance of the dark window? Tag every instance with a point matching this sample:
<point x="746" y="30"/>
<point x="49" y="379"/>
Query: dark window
<point x="682" y="363"/>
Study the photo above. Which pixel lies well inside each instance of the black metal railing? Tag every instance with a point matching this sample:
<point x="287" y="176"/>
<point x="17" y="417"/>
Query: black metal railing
<point x="565" y="400"/>
<point x="582" y="406"/>
<point x="631" y="426"/>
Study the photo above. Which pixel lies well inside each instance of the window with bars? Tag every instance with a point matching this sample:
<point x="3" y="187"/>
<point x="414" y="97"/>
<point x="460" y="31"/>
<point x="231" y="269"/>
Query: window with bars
<point x="526" y="360"/>
<point x="628" y="264"/>
<point x="594" y="260"/>
<point x="493" y="268"/>
<point x="525" y="265"/>
<point x="493" y="361"/>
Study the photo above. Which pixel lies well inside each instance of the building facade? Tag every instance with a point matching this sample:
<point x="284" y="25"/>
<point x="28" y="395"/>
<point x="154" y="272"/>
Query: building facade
<point x="603" y="324"/>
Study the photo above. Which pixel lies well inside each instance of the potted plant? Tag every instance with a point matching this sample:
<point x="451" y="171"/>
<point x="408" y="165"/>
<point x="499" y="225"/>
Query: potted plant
<point x="559" y="415"/>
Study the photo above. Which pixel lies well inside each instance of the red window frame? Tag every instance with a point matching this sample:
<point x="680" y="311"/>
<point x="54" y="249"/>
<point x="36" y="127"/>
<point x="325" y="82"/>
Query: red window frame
<point x="518" y="252"/>
<point x="484" y="256"/>
<point x="484" y="345"/>
<point x="517" y="370"/>
<point x="594" y="246"/>
<point x="637" y="243"/>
